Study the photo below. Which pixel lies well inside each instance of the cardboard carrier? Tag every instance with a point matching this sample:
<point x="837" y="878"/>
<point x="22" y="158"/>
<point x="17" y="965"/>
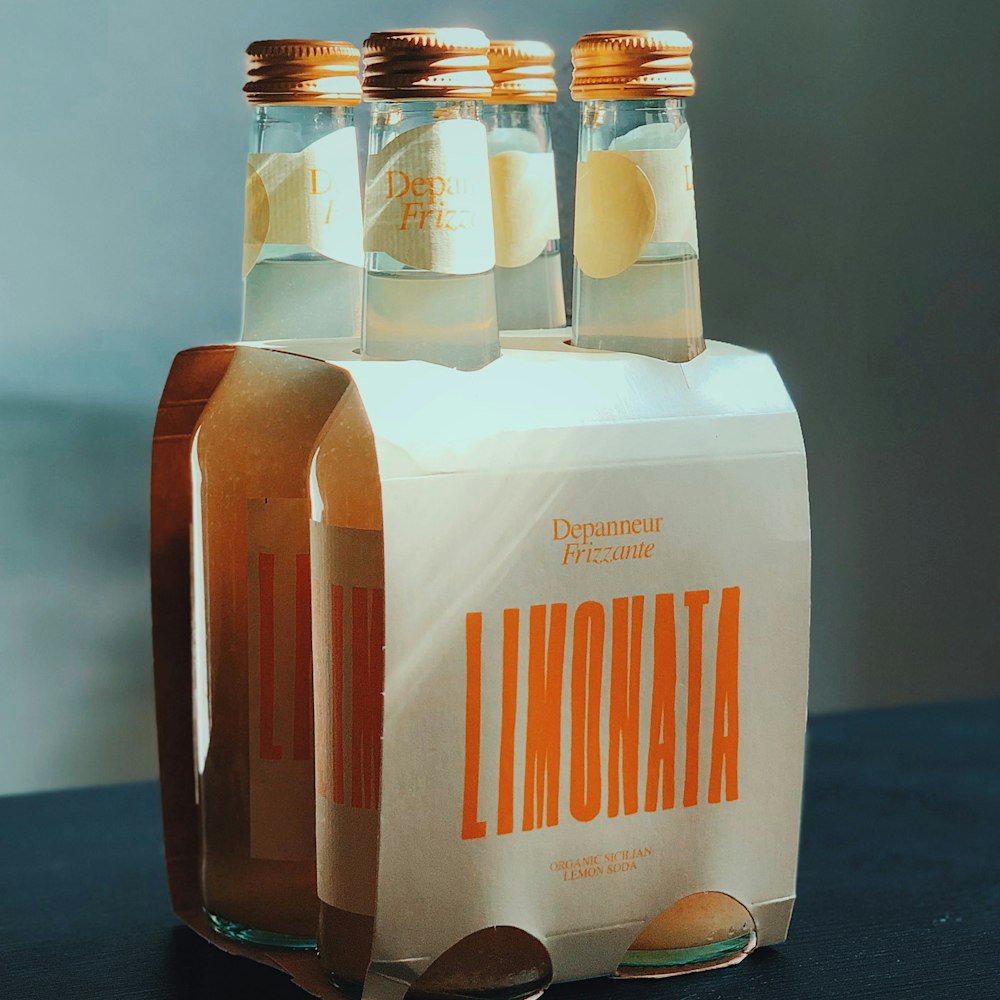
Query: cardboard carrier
<point x="596" y="609"/>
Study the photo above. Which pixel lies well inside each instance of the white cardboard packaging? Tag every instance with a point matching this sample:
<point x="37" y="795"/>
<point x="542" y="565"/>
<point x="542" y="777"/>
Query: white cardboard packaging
<point x="653" y="517"/>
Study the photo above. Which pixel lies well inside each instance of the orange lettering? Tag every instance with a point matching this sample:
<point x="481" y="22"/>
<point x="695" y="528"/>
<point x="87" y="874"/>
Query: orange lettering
<point x="410" y="211"/>
<point x="337" y="670"/>
<point x="694" y="601"/>
<point x="376" y="685"/>
<point x="662" y="723"/>
<point x="725" y="739"/>
<point x="623" y="714"/>
<point x="472" y="826"/>
<point x="544" y="727"/>
<point x="359" y="687"/>
<point x="585" y="732"/>
<point x="269" y="750"/>
<point x="317" y="176"/>
<point x="405" y="181"/>
<point x="508" y="720"/>
<point x="302" y="730"/>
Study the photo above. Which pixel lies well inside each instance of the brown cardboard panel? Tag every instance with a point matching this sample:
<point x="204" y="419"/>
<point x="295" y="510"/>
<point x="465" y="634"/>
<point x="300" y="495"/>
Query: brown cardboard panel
<point x="193" y="377"/>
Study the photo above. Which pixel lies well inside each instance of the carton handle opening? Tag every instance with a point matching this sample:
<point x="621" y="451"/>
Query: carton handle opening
<point x="704" y="930"/>
<point x="502" y="962"/>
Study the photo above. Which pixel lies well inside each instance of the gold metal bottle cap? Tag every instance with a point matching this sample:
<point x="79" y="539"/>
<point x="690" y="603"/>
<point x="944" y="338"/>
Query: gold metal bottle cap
<point x="302" y="71"/>
<point x="427" y="63"/>
<point x="522" y="73"/>
<point x="631" y="65"/>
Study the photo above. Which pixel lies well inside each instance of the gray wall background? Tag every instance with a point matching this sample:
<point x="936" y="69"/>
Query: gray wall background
<point x="847" y="158"/>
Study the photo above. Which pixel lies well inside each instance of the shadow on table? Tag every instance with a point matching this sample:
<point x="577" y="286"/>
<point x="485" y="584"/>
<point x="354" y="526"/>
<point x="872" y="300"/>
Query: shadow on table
<point x="196" y="970"/>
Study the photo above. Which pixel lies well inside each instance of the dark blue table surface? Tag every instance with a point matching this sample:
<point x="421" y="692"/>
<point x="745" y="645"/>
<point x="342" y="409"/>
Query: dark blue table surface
<point x="899" y="883"/>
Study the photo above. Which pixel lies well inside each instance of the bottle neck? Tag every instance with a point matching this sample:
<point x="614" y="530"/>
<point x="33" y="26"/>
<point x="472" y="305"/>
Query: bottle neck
<point x="293" y="290"/>
<point x="647" y="298"/>
<point x="529" y="281"/>
<point x="290" y="128"/>
<point x="658" y="123"/>
<point x="390" y="119"/>
<point x="655" y="133"/>
<point x="429" y="291"/>
<point x="523" y="127"/>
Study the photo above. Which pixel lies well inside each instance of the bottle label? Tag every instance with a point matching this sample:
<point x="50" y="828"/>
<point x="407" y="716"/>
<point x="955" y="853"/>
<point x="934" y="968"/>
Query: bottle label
<point x="349" y="637"/>
<point x="629" y="198"/>
<point x="427" y="199"/>
<point x="306" y="199"/>
<point x="279" y="646"/>
<point x="525" y="214"/>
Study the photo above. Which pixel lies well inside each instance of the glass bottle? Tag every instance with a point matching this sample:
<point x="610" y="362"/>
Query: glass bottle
<point x="635" y="275"/>
<point x="636" y="290"/>
<point x="495" y="963"/>
<point x="253" y="724"/>
<point x="529" y="285"/>
<point x="421" y="79"/>
<point x="302" y="259"/>
<point x="429" y="284"/>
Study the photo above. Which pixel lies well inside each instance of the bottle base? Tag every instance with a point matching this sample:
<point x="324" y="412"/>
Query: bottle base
<point x="672" y="961"/>
<point x="251" y="935"/>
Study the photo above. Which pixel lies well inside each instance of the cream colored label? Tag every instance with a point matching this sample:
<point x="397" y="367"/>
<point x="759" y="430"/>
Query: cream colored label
<point x="349" y="633"/>
<point x="279" y="644"/>
<point x="427" y="199"/>
<point x="671" y="177"/>
<point x="525" y="214"/>
<point x="629" y="198"/>
<point x="307" y="199"/>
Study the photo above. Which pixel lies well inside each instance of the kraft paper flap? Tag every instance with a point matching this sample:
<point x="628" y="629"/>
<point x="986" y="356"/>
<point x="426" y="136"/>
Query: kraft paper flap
<point x="193" y="377"/>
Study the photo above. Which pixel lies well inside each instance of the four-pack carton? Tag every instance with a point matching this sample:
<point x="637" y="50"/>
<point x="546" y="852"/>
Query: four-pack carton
<point x="560" y="639"/>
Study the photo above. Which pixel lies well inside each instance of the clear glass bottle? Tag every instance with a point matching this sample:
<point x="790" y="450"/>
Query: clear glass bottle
<point x="418" y="79"/>
<point x="254" y="746"/>
<point x="294" y="290"/>
<point x="635" y="276"/>
<point x="429" y="282"/>
<point x="529" y="286"/>
<point x="495" y="963"/>
<point x="636" y="290"/>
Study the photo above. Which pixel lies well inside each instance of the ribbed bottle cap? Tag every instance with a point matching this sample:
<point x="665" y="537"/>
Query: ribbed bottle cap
<point x="427" y="63"/>
<point x="631" y="65"/>
<point x="302" y="71"/>
<point x="522" y="72"/>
